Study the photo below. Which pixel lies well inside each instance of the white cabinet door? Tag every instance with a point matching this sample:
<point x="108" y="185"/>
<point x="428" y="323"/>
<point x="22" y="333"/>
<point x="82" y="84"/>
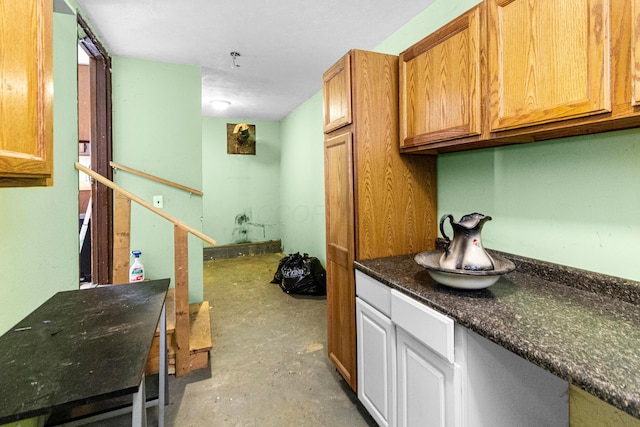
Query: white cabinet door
<point x="376" y="363"/>
<point x="426" y="385"/>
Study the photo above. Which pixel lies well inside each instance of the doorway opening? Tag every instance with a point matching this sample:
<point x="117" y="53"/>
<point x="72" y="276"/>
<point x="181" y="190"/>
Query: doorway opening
<point x="84" y="158"/>
<point x="95" y="149"/>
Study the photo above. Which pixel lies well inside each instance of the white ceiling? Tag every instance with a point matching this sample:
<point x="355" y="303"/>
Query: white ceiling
<point x="285" y="46"/>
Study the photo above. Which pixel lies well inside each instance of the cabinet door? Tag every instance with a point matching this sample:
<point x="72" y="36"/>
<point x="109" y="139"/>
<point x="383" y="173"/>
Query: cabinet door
<point x="440" y="83"/>
<point x="548" y="61"/>
<point x="376" y="363"/>
<point x="426" y="385"/>
<point x="341" y="320"/>
<point x="635" y="53"/>
<point x="336" y="94"/>
<point x="26" y="93"/>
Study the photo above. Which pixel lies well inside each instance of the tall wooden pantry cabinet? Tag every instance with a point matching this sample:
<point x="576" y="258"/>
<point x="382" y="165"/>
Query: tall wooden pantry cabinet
<point x="377" y="202"/>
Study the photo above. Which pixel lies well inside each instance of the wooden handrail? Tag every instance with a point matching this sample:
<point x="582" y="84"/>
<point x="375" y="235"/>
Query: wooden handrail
<point x="144" y="203"/>
<point x="181" y="261"/>
<point x="157" y="179"/>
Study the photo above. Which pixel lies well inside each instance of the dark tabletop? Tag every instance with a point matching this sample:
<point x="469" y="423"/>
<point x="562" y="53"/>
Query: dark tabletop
<point x="556" y="318"/>
<point x="78" y="347"/>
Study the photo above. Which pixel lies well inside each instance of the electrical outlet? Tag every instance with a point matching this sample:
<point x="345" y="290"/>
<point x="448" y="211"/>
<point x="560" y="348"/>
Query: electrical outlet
<point x="158" y="202"/>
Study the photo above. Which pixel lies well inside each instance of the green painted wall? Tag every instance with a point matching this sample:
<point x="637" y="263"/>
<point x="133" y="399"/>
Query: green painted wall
<point x="302" y="180"/>
<point x="157" y="129"/>
<point x="571" y="201"/>
<point x="39" y="226"/>
<point x="237" y="186"/>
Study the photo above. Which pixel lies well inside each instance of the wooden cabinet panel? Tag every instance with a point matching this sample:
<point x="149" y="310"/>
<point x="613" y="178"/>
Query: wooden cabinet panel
<point x="440" y="83"/>
<point x="341" y="319"/>
<point x="26" y="93"/>
<point x="395" y="195"/>
<point x="378" y="203"/>
<point x="339" y="200"/>
<point x="336" y="92"/>
<point x="340" y="255"/>
<point x="635" y="53"/>
<point x="548" y="61"/>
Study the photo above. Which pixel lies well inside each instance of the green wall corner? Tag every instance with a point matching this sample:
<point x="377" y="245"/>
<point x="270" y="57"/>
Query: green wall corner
<point x="241" y="191"/>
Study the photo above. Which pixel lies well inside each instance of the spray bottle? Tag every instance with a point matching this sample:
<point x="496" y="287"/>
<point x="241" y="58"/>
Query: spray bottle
<point x="136" y="272"/>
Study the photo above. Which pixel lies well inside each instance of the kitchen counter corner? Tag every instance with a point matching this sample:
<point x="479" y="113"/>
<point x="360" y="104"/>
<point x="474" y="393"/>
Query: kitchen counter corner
<point x="583" y="327"/>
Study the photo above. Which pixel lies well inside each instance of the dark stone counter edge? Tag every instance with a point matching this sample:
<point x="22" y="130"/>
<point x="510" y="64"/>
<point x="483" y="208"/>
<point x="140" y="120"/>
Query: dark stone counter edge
<point x="601" y="284"/>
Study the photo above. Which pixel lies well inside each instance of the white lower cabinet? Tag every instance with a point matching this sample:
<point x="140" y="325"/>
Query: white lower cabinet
<point x="376" y="363"/>
<point x="416" y="367"/>
<point x="427" y="385"/>
<point x="428" y="372"/>
<point x="406" y="374"/>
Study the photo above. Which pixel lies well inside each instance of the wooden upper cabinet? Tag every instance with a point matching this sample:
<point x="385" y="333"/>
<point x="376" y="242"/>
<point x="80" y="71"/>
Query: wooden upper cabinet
<point x="514" y="71"/>
<point x="26" y="93"/>
<point x="441" y="83"/>
<point x="625" y="62"/>
<point x="635" y="53"/>
<point x="336" y="94"/>
<point x="547" y="61"/>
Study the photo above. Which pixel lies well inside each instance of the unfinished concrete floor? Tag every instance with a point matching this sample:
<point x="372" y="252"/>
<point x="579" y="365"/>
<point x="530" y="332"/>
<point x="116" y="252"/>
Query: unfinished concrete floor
<point x="269" y="364"/>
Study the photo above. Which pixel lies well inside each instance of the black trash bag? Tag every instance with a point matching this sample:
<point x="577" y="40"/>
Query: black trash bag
<point x="301" y="275"/>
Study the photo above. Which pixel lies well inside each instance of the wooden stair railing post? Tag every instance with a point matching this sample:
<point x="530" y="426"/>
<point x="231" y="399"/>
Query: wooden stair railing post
<point x="181" y="256"/>
<point x="121" y="238"/>
<point x="181" y="301"/>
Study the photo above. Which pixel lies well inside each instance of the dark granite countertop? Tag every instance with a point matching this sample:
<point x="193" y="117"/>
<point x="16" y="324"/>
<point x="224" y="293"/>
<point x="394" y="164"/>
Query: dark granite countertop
<point x="583" y="327"/>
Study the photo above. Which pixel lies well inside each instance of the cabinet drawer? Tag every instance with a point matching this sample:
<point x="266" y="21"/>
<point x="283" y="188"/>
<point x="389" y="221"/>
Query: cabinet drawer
<point x="336" y="95"/>
<point x="374" y="293"/>
<point x="433" y="329"/>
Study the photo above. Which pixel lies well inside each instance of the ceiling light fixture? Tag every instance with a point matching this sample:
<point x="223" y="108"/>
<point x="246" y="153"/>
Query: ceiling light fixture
<point x="234" y="58"/>
<point x="220" y="105"/>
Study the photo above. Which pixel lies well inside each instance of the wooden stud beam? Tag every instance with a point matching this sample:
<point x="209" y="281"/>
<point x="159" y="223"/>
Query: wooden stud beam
<point x="121" y="238"/>
<point x="180" y="248"/>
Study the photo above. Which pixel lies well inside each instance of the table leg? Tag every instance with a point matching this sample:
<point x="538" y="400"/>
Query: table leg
<point x="139" y="410"/>
<point x="162" y="376"/>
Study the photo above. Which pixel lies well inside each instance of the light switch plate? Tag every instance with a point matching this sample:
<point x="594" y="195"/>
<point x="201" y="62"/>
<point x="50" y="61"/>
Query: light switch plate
<point x="158" y="202"/>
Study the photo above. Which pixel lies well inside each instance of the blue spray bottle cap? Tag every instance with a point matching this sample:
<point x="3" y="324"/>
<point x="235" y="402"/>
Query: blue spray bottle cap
<point x="136" y="253"/>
